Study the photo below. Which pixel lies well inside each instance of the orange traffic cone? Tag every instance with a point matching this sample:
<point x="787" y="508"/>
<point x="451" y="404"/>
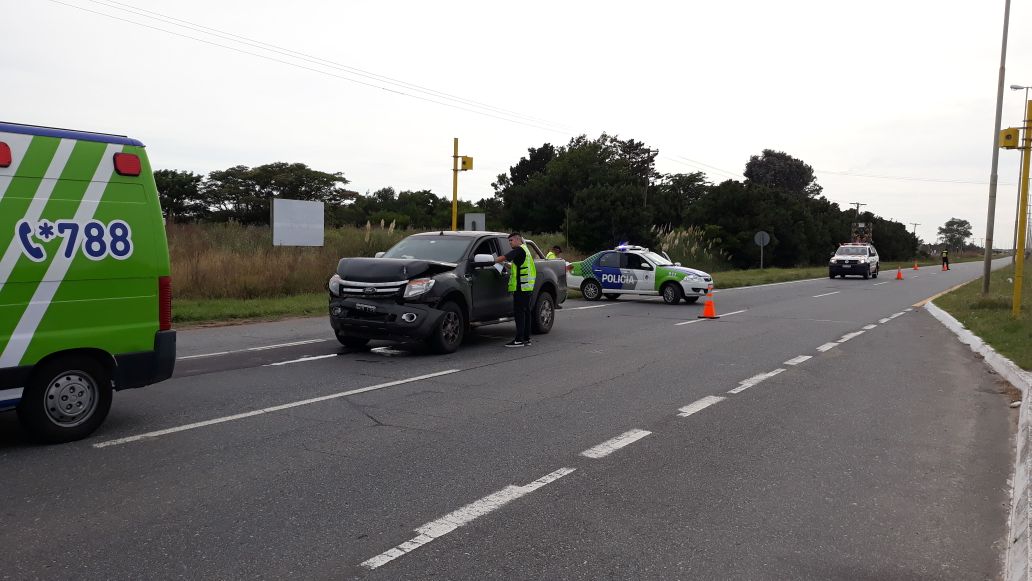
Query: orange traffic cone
<point x="944" y="267"/>
<point x="915" y="266"/>
<point x="708" y="310"/>
<point x="899" y="273"/>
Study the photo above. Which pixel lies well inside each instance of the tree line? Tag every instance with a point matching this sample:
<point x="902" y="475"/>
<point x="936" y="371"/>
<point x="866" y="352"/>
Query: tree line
<point x="599" y="192"/>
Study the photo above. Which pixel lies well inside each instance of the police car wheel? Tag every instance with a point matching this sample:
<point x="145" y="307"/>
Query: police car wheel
<point x="543" y="316"/>
<point x="612" y="296"/>
<point x="672" y="294"/>
<point x="66" y="399"/>
<point x="591" y="290"/>
<point x="450" y="331"/>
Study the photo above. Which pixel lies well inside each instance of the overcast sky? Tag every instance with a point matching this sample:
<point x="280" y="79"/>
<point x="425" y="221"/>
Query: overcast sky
<point x="901" y="88"/>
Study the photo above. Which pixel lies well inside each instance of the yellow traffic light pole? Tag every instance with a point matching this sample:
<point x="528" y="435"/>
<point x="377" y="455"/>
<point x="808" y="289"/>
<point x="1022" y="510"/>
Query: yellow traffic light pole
<point x="467" y="164"/>
<point x="1019" y="263"/>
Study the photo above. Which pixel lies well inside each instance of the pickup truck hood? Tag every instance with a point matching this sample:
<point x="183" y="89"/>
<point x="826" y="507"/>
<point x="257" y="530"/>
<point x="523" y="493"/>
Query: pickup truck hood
<point x="388" y="269"/>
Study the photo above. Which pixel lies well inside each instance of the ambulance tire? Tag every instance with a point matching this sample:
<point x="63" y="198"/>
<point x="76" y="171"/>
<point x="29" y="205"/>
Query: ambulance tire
<point x="591" y="290"/>
<point x="691" y="300"/>
<point x="81" y="383"/>
<point x="450" y="331"/>
<point x="672" y="293"/>
<point x="612" y="296"/>
<point x="543" y="316"/>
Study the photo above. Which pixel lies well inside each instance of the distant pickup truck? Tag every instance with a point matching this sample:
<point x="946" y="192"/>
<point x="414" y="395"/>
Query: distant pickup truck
<point x="435" y="287"/>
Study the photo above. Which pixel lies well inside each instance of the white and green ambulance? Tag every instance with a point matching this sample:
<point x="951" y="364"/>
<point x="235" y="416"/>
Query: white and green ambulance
<point x="85" y="290"/>
<point x="635" y="270"/>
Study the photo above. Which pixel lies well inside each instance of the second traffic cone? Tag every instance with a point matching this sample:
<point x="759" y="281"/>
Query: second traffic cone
<point x="915" y="265"/>
<point x="709" y="311"/>
<point x="899" y="273"/>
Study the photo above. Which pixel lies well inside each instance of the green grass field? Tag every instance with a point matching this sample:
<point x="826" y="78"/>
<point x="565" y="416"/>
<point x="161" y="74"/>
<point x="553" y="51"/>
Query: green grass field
<point x="990" y="317"/>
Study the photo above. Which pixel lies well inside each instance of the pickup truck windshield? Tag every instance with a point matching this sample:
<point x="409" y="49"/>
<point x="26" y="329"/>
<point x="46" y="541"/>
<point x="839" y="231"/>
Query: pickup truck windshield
<point x="436" y="248"/>
<point x="852" y="251"/>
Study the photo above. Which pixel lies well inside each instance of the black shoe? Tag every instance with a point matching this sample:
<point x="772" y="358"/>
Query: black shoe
<point x="515" y="343"/>
<point x="527" y="343"/>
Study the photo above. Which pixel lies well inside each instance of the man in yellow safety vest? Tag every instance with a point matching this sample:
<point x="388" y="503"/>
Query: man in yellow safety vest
<point x="522" y="276"/>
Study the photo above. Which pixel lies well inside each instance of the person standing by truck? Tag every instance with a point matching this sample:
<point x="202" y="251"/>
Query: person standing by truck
<point x="522" y="277"/>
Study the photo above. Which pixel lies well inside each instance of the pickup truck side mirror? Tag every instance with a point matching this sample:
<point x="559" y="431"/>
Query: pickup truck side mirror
<point x="379" y="254"/>
<point x="483" y="260"/>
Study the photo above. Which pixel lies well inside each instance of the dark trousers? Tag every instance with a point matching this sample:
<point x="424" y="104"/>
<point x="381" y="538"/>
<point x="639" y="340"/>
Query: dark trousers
<point x="521" y="310"/>
<point x="945" y="263"/>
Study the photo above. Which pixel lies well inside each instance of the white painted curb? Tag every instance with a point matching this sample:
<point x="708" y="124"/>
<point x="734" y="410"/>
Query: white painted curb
<point x="1018" y="560"/>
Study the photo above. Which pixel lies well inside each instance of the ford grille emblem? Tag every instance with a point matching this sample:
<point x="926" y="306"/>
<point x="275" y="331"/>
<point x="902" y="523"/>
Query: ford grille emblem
<point x="369" y="290"/>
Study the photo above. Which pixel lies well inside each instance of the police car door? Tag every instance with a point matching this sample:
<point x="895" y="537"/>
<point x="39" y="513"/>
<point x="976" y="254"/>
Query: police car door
<point x="612" y="275"/>
<point x="642" y="271"/>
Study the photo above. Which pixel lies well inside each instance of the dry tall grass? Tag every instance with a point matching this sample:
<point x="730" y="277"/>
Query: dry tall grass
<point x="214" y="261"/>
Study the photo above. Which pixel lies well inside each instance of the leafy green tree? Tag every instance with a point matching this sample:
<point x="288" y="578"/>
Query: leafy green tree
<point x="780" y="171"/>
<point x="955" y="232"/>
<point x="180" y="195"/>
<point x="673" y="194"/>
<point x="605" y="215"/>
<point x="245" y="194"/>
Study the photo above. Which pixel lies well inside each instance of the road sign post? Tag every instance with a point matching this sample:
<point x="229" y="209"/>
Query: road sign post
<point x="761" y="239"/>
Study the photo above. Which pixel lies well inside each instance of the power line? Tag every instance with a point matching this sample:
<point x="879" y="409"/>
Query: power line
<point x="115" y="5"/>
<point x="903" y="178"/>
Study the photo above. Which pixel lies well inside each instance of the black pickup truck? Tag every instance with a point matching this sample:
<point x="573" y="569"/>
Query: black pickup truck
<point x="435" y="287"/>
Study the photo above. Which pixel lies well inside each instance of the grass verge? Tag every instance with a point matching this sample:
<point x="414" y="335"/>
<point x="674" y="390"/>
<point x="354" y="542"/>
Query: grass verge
<point x="990" y="317"/>
<point x="198" y="311"/>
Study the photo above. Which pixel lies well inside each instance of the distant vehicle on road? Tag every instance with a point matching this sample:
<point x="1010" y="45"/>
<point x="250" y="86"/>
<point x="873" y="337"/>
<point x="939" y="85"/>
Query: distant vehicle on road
<point x="85" y="291"/>
<point x="435" y="287"/>
<point x="854" y="259"/>
<point x="635" y="270"/>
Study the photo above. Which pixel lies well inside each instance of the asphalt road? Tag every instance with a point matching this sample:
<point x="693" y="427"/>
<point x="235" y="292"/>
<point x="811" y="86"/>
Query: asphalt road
<point x="635" y="441"/>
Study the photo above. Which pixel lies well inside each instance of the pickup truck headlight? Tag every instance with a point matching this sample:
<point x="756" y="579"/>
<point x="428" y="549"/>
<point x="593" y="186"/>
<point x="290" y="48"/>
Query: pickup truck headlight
<point x="418" y="287"/>
<point x="334" y="285"/>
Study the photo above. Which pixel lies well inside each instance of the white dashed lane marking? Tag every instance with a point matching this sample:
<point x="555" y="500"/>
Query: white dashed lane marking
<point x="755" y="380"/>
<point x="798" y="360"/>
<point x="609" y="446"/>
<point x="826" y="294"/>
<point x="700" y="405"/>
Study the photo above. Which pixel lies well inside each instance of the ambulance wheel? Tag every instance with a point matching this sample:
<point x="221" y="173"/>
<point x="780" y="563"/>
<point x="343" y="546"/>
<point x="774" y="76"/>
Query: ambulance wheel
<point x="612" y="296"/>
<point x="672" y="293"/>
<point x="352" y="342"/>
<point x="591" y="290"/>
<point x="66" y="399"/>
<point x="448" y="335"/>
<point x="543" y="316"/>
<point x="691" y="300"/>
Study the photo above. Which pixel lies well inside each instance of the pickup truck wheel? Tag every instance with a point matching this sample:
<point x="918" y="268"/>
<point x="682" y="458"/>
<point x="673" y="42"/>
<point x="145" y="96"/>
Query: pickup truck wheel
<point x="66" y="399"/>
<point x="612" y="296"/>
<point x="448" y="335"/>
<point x="543" y="316"/>
<point x="591" y="290"/>
<point x="352" y="342"/>
<point x="672" y="293"/>
<point x="876" y="271"/>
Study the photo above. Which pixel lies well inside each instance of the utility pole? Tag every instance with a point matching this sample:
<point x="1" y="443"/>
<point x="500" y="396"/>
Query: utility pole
<point x="987" y="264"/>
<point x="917" y="243"/>
<point x="459" y="163"/>
<point x="857" y="204"/>
<point x="1019" y="262"/>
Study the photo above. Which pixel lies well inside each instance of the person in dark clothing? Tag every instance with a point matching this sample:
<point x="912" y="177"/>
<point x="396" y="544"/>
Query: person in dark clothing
<point x="945" y="259"/>
<point x="522" y="276"/>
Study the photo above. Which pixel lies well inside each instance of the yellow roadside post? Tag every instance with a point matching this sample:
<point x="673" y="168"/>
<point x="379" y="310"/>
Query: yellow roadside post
<point x="1019" y="263"/>
<point x="466" y="165"/>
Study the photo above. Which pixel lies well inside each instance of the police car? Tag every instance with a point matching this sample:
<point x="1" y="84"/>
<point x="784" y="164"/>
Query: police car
<point x="635" y="270"/>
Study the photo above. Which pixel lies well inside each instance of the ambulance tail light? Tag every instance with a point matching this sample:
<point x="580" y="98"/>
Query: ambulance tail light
<point x="5" y="155"/>
<point x="127" y="164"/>
<point x="164" y="303"/>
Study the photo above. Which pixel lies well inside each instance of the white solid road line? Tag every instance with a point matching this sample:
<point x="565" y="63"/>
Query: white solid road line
<point x="798" y="360"/>
<point x="609" y="446"/>
<point x="701" y="320"/>
<point x="849" y="336"/>
<point x="465" y="515"/>
<point x="699" y="405"/>
<point x="262" y="348"/>
<point x="589" y="307"/>
<point x="826" y="294"/>
<point x="827" y="347"/>
<point x="267" y="410"/>
<point x="869" y="327"/>
<point x="754" y="380"/>
<point x="301" y="360"/>
<point x="881" y="283"/>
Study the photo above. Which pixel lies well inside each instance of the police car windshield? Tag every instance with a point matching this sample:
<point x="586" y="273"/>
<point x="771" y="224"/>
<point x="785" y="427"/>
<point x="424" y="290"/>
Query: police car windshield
<point x="657" y="259"/>
<point x="852" y="251"/>
<point x="436" y="248"/>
